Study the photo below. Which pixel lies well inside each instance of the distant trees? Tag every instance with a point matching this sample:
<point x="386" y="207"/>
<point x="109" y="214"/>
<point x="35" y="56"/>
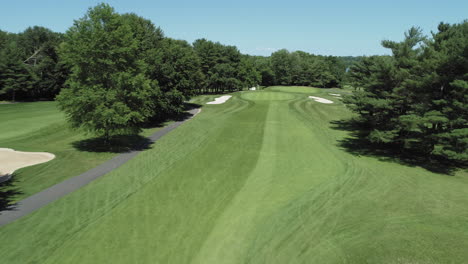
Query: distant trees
<point x="177" y="67"/>
<point x="30" y="67"/>
<point x="224" y="67"/>
<point x="282" y="63"/>
<point x="16" y="79"/>
<point x="416" y="99"/>
<point x="301" y="68"/>
<point x="264" y="68"/>
<point x="248" y="73"/>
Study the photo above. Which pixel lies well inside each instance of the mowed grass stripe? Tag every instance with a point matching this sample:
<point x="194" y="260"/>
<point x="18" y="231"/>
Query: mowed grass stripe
<point x="284" y="169"/>
<point x="195" y="190"/>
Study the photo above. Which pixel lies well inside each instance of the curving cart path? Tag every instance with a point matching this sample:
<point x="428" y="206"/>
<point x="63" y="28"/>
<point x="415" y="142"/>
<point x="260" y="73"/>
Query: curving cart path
<point x="40" y="199"/>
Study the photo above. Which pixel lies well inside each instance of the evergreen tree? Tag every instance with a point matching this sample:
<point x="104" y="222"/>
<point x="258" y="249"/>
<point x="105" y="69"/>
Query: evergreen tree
<point x="416" y="99"/>
<point x="16" y="80"/>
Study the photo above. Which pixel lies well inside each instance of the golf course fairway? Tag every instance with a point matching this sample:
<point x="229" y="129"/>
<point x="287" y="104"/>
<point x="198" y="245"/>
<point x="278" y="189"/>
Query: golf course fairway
<point x="260" y="178"/>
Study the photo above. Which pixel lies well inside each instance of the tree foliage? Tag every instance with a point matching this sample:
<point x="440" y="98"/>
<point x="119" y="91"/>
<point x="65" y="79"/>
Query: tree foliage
<point x="418" y="97"/>
<point x="30" y="67"/>
<point x="302" y="68"/>
<point x="109" y="90"/>
<point x="224" y="67"/>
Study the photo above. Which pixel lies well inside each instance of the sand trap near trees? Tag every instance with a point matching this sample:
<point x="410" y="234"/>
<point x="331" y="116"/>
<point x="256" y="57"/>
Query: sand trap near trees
<point x="321" y="100"/>
<point x="220" y="100"/>
<point x="11" y="160"/>
<point x="335" y="94"/>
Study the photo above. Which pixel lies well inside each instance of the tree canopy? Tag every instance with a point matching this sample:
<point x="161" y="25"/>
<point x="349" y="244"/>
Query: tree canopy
<point x="302" y="68"/>
<point x="417" y="99"/>
<point x="30" y="67"/>
<point x="109" y="90"/>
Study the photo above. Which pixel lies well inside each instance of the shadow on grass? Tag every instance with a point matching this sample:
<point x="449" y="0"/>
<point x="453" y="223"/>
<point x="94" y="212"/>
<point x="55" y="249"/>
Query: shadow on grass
<point x="8" y="193"/>
<point x="116" y="144"/>
<point x="128" y="143"/>
<point x="358" y="145"/>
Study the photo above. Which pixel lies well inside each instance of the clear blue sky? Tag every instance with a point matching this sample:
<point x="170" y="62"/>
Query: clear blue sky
<point x="327" y="27"/>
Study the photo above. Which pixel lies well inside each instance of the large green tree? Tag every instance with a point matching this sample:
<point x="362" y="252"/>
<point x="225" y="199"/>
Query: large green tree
<point x="109" y="90"/>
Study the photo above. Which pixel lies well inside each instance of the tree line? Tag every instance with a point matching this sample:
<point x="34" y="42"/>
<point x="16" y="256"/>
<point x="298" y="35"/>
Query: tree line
<point x="301" y="68"/>
<point x="416" y="100"/>
<point x="111" y="72"/>
<point x="30" y="67"/>
<point x="35" y="64"/>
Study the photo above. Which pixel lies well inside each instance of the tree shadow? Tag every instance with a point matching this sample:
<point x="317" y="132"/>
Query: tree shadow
<point x="128" y="143"/>
<point x="358" y="144"/>
<point x="186" y="112"/>
<point x="8" y="193"/>
<point x="181" y="115"/>
<point x="116" y="144"/>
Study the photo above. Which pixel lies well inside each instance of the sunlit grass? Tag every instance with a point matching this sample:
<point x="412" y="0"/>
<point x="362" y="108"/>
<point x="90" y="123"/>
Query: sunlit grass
<point x="253" y="180"/>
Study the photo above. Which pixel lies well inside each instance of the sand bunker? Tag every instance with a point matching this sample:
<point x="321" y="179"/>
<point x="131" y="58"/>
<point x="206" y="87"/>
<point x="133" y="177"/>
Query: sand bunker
<point x="220" y="100"/>
<point x="321" y="100"/>
<point x="335" y="94"/>
<point x="11" y="160"/>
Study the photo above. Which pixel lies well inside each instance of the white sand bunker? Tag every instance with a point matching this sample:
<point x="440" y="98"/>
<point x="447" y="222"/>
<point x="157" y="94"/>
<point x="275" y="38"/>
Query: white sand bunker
<point x="321" y="100"/>
<point x="220" y="100"/>
<point x="11" y="160"/>
<point x="335" y="94"/>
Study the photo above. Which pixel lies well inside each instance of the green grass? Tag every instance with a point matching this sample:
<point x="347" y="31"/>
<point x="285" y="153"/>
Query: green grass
<point x="259" y="179"/>
<point x="267" y="96"/>
<point x="24" y="118"/>
<point x="295" y="89"/>
<point x="40" y="126"/>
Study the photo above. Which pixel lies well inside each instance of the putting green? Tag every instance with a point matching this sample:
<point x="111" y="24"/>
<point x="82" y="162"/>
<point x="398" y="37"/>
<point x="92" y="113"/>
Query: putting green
<point x="266" y="96"/>
<point x="252" y="181"/>
<point x="295" y="89"/>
